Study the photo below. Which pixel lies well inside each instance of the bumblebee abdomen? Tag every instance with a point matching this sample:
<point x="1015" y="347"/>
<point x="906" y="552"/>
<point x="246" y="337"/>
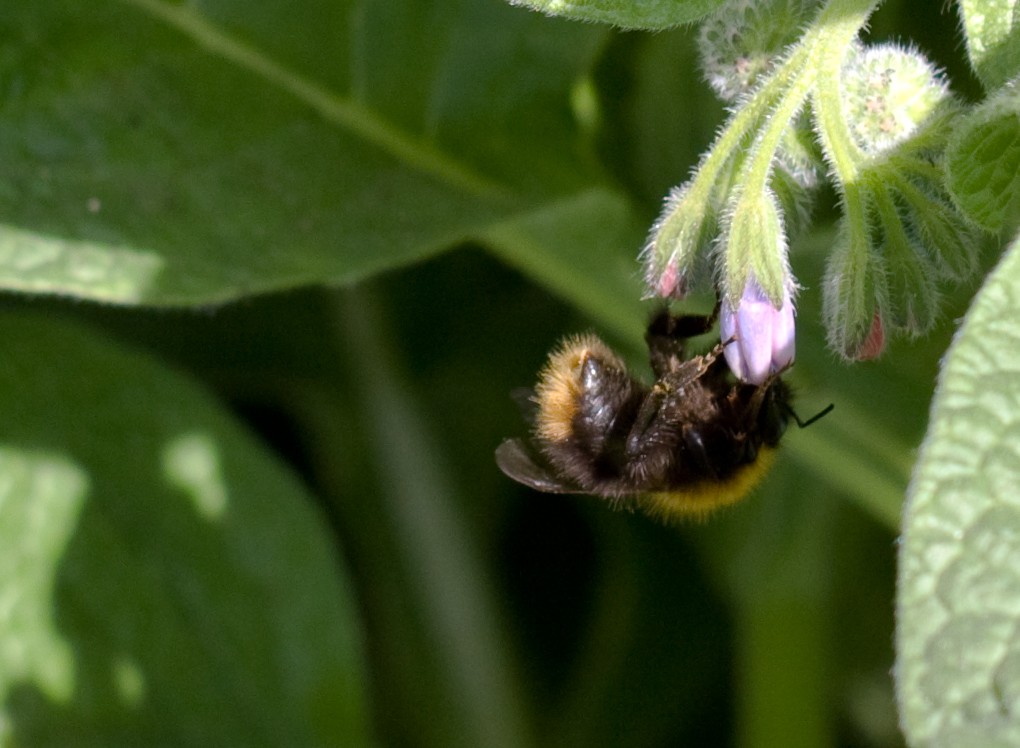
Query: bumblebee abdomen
<point x="701" y="498"/>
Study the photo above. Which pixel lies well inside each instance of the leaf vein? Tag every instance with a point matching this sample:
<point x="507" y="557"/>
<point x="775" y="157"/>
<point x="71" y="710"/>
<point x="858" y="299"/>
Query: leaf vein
<point x="336" y="109"/>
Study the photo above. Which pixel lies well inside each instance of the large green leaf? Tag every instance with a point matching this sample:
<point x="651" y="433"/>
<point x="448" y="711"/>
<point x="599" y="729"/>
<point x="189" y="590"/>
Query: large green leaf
<point x="992" y="30"/>
<point x="958" y="654"/>
<point x="628" y="14"/>
<point x="583" y="250"/>
<point x="983" y="162"/>
<point x="163" y="153"/>
<point x="165" y="580"/>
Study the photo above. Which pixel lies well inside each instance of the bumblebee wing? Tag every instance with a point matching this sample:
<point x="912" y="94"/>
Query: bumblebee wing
<point x="519" y="461"/>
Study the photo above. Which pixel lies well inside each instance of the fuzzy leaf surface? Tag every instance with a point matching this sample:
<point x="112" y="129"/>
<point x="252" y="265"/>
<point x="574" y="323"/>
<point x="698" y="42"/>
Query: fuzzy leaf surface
<point x="992" y="30"/>
<point x="983" y="161"/>
<point x="958" y="653"/>
<point x="628" y="14"/>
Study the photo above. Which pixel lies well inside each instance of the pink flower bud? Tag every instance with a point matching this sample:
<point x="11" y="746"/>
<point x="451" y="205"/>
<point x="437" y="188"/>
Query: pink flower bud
<point x="671" y="283"/>
<point x="874" y="344"/>
<point x="764" y="335"/>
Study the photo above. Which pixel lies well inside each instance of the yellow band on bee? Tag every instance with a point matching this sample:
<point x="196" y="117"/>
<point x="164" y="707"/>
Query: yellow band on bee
<point x="705" y="497"/>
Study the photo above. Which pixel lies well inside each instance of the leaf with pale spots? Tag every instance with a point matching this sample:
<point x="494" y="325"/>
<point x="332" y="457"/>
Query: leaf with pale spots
<point x="166" y="581"/>
<point x="958" y="656"/>
<point x="992" y="31"/>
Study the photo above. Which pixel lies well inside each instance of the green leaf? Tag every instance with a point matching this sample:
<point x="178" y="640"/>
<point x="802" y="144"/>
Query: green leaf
<point x="187" y="154"/>
<point x="167" y="581"/>
<point x="580" y="249"/>
<point x="983" y="161"/>
<point x="628" y="14"/>
<point x="992" y="30"/>
<point x="958" y="657"/>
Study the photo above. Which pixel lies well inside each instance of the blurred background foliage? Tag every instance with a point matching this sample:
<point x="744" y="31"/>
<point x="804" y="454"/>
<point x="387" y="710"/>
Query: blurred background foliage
<point x="487" y="614"/>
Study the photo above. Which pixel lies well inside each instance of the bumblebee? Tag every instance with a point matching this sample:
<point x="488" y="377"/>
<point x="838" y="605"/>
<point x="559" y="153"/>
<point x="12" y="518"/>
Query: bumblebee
<point x="695" y="440"/>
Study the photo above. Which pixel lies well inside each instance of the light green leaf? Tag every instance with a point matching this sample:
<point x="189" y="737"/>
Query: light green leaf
<point x="193" y="153"/>
<point x="992" y="30"/>
<point x="164" y="581"/>
<point x="628" y="14"/>
<point x="983" y="161"/>
<point x="958" y="655"/>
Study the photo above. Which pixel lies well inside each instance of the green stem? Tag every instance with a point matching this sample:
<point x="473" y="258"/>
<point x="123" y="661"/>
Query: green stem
<point x="474" y="678"/>
<point x="746" y="118"/>
<point x="843" y="20"/>
<point x="778" y="100"/>
<point x="756" y="170"/>
<point x="818" y="61"/>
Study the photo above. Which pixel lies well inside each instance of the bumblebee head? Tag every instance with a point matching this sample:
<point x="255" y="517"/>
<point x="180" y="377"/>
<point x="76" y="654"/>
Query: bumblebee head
<point x="774" y="416"/>
<point x="777" y="412"/>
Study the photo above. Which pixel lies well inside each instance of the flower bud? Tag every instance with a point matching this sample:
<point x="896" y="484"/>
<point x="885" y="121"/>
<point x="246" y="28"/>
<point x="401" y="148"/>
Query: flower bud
<point x="743" y="40"/>
<point x="888" y="93"/>
<point x="873" y="345"/>
<point x="676" y="256"/>
<point x="672" y="284"/>
<point x="763" y="335"/>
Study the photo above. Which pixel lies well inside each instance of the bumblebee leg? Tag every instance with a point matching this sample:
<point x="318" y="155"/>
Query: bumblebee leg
<point x="651" y="443"/>
<point x="680" y="326"/>
<point x="644" y="419"/>
<point x="683" y="373"/>
<point x="667" y="333"/>
<point x="754" y="405"/>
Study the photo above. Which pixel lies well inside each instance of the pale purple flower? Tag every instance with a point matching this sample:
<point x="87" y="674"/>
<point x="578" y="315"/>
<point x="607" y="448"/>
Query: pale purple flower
<point x="763" y="335"/>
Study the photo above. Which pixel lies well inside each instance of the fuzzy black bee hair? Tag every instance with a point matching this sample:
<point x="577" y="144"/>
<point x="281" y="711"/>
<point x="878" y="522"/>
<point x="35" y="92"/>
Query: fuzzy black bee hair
<point x="694" y="440"/>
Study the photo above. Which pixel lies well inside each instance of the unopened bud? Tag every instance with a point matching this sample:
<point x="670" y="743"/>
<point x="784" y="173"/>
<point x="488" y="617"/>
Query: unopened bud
<point x="763" y="336"/>
<point x="874" y="344"/>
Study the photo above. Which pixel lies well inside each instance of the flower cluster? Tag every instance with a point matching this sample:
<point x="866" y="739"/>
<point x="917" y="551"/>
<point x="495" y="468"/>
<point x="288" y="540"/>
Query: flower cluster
<point x="875" y="119"/>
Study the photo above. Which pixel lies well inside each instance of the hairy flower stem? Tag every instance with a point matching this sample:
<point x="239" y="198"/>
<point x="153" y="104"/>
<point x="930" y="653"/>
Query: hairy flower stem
<point x="847" y="17"/>
<point x="757" y="128"/>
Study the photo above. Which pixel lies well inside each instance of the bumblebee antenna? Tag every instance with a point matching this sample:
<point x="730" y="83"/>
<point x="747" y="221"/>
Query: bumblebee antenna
<point x="812" y="419"/>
